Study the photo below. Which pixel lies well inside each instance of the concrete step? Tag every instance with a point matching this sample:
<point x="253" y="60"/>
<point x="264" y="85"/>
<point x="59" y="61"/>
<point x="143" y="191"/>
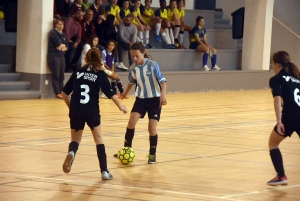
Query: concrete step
<point x="218" y="15"/>
<point x="19" y="95"/>
<point x="223" y="26"/>
<point x="4" y="68"/>
<point x="221" y="22"/>
<point x="14" y="86"/>
<point x="9" y="77"/>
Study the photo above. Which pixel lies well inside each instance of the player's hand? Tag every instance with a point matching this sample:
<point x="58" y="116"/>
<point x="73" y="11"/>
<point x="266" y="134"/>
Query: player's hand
<point x="75" y="45"/>
<point x="162" y="101"/>
<point x="123" y="95"/>
<point x="148" y="27"/>
<point x="123" y="109"/>
<point x="280" y="128"/>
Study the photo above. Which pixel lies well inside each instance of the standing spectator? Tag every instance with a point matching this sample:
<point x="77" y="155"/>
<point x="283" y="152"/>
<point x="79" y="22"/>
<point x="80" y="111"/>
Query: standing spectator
<point x="57" y="46"/>
<point x="61" y="9"/>
<point x="97" y="9"/>
<point x="199" y="43"/>
<point x="73" y="34"/>
<point x="87" y="26"/>
<point x="127" y="36"/>
<point x="86" y="4"/>
<point x="77" y="5"/>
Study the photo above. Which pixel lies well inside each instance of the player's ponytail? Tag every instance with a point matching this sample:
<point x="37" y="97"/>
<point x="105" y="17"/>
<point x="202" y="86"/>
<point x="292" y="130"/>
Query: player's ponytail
<point x="139" y="46"/>
<point x="94" y="59"/>
<point x="283" y="58"/>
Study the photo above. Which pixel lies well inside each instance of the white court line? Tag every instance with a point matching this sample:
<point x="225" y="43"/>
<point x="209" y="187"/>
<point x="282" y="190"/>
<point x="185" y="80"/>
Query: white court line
<point x="161" y="133"/>
<point x="203" y="116"/>
<point x="241" y="194"/>
<point x="122" y="187"/>
<point x="282" y="188"/>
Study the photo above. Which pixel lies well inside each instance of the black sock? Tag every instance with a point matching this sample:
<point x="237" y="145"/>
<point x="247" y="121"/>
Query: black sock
<point x="277" y="162"/>
<point x="114" y="87"/>
<point x="128" y="137"/>
<point x="101" y="157"/>
<point x="73" y="146"/>
<point x="120" y="87"/>
<point x="153" y="144"/>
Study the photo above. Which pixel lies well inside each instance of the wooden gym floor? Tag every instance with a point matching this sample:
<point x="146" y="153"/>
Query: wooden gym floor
<point x="212" y="146"/>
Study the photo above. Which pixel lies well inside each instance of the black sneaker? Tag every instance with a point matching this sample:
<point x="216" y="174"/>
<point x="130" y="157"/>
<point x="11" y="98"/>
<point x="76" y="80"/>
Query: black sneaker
<point x="151" y="159"/>
<point x="278" y="181"/>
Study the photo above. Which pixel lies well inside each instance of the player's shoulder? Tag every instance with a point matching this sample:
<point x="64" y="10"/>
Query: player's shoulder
<point x="151" y="63"/>
<point x="108" y="7"/>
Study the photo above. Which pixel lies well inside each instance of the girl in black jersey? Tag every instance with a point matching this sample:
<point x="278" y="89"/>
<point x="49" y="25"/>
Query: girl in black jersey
<point x="85" y="84"/>
<point x="285" y="87"/>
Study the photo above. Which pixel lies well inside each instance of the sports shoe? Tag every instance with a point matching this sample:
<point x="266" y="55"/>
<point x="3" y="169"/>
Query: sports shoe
<point x="148" y="46"/>
<point x="176" y="42"/>
<point x="170" y="46"/>
<point x="106" y="175"/>
<point x="181" y="46"/>
<point x="205" y="68"/>
<point x="151" y="159"/>
<point x="68" y="162"/>
<point x="121" y="66"/>
<point x="216" y="68"/>
<point x="115" y="155"/>
<point x="157" y="38"/>
<point x="278" y="181"/>
<point x="59" y="96"/>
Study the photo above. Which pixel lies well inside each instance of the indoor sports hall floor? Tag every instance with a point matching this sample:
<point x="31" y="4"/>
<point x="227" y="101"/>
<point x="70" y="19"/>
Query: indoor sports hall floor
<point x="211" y="146"/>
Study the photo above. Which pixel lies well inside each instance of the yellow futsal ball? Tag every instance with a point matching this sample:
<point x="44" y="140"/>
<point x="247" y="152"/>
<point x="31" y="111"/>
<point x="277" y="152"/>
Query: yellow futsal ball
<point x="126" y="155"/>
<point x="1" y="15"/>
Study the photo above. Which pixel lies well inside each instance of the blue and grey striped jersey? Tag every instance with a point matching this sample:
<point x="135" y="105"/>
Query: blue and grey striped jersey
<point x="147" y="79"/>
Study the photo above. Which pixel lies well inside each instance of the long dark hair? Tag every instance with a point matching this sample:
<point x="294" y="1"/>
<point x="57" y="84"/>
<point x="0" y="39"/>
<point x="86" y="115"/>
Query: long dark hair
<point x="90" y="42"/>
<point x="114" y="52"/>
<point x="198" y="19"/>
<point x="283" y="58"/>
<point x="139" y="46"/>
<point x="94" y="59"/>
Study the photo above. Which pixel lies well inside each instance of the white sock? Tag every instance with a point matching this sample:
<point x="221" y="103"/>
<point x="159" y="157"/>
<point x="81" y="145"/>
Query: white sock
<point x="146" y="37"/>
<point x="167" y="32"/>
<point x="171" y="36"/>
<point x="157" y="28"/>
<point x="180" y="38"/>
<point x="166" y="38"/>
<point x="140" y="35"/>
<point x="138" y="39"/>
<point x="176" y="31"/>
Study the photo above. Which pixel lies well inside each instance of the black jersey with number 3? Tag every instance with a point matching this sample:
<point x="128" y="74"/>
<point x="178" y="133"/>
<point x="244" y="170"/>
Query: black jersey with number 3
<point x="288" y="87"/>
<point x="86" y="85"/>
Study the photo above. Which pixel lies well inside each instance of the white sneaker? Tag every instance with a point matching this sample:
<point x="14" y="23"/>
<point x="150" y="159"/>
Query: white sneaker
<point x="121" y="66"/>
<point x="68" y="162"/>
<point x="106" y="175"/>
<point x="216" y="68"/>
<point x="205" y="68"/>
<point x="116" y="63"/>
<point x="103" y="96"/>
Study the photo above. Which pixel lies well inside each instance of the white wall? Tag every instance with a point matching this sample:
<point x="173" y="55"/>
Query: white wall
<point x="229" y="6"/>
<point x="32" y="35"/>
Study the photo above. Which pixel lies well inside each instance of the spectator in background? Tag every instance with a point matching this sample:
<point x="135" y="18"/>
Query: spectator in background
<point x="92" y="43"/>
<point x="77" y="5"/>
<point x="85" y="4"/>
<point x="73" y="34"/>
<point x="87" y="26"/>
<point x="183" y="25"/>
<point x="173" y="22"/>
<point x="113" y="9"/>
<point x="199" y="43"/>
<point x="107" y="30"/>
<point x="127" y="36"/>
<point x="97" y="9"/>
<point x="121" y="3"/>
<point x="125" y="10"/>
<point x="57" y="46"/>
<point x="61" y="9"/>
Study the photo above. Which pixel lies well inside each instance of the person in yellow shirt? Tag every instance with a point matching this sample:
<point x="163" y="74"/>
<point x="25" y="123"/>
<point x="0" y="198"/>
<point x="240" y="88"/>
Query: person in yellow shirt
<point x="173" y="21"/>
<point x="183" y="25"/>
<point x="113" y="9"/>
<point x="136" y="10"/>
<point x="125" y="9"/>
<point x="153" y="21"/>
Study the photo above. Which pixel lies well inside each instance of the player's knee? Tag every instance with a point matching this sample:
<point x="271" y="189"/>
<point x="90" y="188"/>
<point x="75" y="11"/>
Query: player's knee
<point x="131" y="124"/>
<point x="206" y="50"/>
<point x="214" y="51"/>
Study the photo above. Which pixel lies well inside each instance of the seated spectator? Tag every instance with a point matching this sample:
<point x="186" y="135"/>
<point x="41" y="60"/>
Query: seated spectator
<point x="161" y="13"/>
<point x="113" y="9"/>
<point x="57" y="46"/>
<point x="173" y="22"/>
<point x="121" y="3"/>
<point x="183" y="25"/>
<point x="127" y="36"/>
<point x="125" y="9"/>
<point x="199" y="43"/>
<point x="92" y="43"/>
<point x="72" y="30"/>
<point x="107" y="30"/>
<point x="143" y="28"/>
<point x="61" y="9"/>
<point x="87" y="26"/>
<point x="85" y="4"/>
<point x="97" y="9"/>
<point x="77" y="5"/>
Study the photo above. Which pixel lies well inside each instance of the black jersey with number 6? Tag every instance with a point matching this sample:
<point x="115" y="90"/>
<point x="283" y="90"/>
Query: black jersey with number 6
<point x="86" y="85"/>
<point x="288" y="87"/>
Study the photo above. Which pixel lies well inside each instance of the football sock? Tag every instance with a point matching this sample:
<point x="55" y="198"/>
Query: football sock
<point x="205" y="59"/>
<point x="153" y="144"/>
<point x="276" y="158"/>
<point x="73" y="146"/>
<point x="214" y="60"/>
<point x="128" y="137"/>
<point x="176" y="31"/>
<point x="157" y="28"/>
<point x="114" y="86"/>
<point x="101" y="157"/>
<point x="120" y="87"/>
<point x="181" y="37"/>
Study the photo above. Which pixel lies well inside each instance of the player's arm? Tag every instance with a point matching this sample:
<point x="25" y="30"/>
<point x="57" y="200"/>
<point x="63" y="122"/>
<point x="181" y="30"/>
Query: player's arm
<point x="121" y="107"/>
<point x="68" y="88"/>
<point x="128" y="88"/>
<point x="163" y="82"/>
<point x="65" y="97"/>
<point x="277" y="108"/>
<point x="107" y="9"/>
<point x="198" y="39"/>
<point x="204" y="40"/>
<point x="143" y="21"/>
<point x="118" y="17"/>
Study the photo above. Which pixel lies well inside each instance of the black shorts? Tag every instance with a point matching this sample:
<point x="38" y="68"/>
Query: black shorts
<point x="291" y="124"/>
<point x="149" y="105"/>
<point x="194" y="45"/>
<point x="77" y="122"/>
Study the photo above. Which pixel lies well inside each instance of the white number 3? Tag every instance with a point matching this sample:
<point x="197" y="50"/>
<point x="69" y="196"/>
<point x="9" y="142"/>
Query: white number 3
<point x="296" y="96"/>
<point x="85" y="94"/>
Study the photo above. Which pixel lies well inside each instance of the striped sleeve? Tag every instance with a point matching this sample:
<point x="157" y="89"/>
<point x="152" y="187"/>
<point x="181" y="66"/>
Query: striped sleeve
<point x="131" y="76"/>
<point x="158" y="74"/>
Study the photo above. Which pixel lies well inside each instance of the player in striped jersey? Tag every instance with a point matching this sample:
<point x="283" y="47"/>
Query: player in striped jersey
<point x="113" y="9"/>
<point x="183" y="26"/>
<point x="150" y="94"/>
<point x="125" y="9"/>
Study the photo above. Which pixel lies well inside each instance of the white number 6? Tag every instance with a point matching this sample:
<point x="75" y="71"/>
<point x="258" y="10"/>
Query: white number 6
<point x="296" y="96"/>
<point x="85" y="94"/>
